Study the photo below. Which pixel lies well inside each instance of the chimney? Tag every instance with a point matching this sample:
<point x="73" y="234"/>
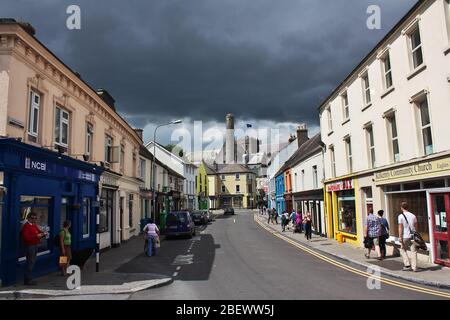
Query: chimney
<point x="302" y="134"/>
<point x="139" y="133"/>
<point x="229" y="139"/>
<point x="291" y="138"/>
<point x="107" y="98"/>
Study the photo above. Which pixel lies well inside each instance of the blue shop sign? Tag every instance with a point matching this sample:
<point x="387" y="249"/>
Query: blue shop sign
<point x="54" y="169"/>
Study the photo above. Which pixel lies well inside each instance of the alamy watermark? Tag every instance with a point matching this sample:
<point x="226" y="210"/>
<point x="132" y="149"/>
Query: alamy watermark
<point x="374" y="281"/>
<point x="73" y="21"/>
<point x="374" y="20"/>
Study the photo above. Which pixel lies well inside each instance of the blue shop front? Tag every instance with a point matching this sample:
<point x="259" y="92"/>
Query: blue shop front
<point x="57" y="188"/>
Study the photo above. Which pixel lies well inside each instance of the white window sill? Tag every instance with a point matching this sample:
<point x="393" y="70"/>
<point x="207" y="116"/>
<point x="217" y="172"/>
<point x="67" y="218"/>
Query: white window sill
<point x="387" y="92"/>
<point x="346" y="121"/>
<point x="367" y="106"/>
<point x="415" y="72"/>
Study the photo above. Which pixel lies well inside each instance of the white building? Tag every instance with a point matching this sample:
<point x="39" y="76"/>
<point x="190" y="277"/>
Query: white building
<point x="386" y="132"/>
<point x="182" y="167"/>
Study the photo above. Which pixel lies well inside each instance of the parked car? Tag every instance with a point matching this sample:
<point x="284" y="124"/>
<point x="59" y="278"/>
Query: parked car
<point x="228" y="210"/>
<point x="209" y="215"/>
<point x="179" y="223"/>
<point x="199" y="217"/>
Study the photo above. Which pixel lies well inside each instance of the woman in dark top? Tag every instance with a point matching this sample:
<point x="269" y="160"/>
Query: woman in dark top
<point x="384" y="233"/>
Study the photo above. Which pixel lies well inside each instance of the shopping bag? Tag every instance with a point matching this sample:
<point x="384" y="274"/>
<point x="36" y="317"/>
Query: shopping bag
<point x="63" y="260"/>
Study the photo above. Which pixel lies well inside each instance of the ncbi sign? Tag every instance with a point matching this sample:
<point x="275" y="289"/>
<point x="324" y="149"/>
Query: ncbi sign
<point x="35" y="165"/>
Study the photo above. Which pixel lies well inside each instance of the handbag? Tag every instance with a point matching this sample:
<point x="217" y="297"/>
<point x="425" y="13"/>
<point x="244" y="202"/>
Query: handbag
<point x="416" y="237"/>
<point x="63" y="260"/>
<point x="368" y="243"/>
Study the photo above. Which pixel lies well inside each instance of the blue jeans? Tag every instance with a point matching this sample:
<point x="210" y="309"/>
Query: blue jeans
<point x="30" y="253"/>
<point x="151" y="247"/>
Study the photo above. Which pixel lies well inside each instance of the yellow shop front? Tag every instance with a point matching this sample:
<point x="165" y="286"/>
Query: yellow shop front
<point x="342" y="204"/>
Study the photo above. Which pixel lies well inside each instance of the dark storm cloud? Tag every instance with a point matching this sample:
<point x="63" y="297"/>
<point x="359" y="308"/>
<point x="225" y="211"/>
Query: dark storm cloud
<point x="259" y="59"/>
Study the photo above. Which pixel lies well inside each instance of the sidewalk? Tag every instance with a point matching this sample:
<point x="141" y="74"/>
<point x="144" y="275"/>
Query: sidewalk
<point x="107" y="281"/>
<point x="429" y="274"/>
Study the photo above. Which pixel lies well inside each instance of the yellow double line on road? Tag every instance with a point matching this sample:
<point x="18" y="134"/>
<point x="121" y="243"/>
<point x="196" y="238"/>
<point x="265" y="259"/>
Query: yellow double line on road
<point x="354" y="270"/>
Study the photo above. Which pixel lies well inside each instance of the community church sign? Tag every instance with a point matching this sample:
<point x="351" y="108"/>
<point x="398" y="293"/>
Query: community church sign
<point x="419" y="170"/>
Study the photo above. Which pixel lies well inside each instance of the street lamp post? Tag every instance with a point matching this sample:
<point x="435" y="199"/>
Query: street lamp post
<point x="154" y="165"/>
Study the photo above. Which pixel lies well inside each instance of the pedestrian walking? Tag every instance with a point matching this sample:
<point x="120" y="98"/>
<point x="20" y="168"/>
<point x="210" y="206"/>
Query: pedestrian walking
<point x="284" y="221"/>
<point x="151" y="238"/>
<point x="270" y="216"/>
<point x="275" y="216"/>
<point x="384" y="233"/>
<point x="292" y="219"/>
<point x="372" y="232"/>
<point x="299" y="223"/>
<point x="65" y="244"/>
<point x="308" y="226"/>
<point x="32" y="237"/>
<point x="407" y="222"/>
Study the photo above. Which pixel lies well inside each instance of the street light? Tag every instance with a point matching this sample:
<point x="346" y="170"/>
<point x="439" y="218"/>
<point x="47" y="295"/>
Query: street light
<point x="154" y="164"/>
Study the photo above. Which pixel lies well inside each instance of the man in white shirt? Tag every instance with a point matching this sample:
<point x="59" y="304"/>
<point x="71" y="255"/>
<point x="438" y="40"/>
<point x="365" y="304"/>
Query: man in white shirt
<point x="407" y="221"/>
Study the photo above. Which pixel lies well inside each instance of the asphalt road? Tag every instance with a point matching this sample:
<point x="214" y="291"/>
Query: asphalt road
<point x="235" y="259"/>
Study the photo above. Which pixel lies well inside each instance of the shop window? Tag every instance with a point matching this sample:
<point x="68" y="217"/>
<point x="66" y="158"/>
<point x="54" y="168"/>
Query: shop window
<point x="86" y="217"/>
<point x="412" y="186"/>
<point x="432" y="184"/>
<point x="42" y="207"/>
<point x="347" y="211"/>
<point x="106" y="209"/>
<point x="368" y="198"/>
<point x="130" y="210"/>
<point x="417" y="203"/>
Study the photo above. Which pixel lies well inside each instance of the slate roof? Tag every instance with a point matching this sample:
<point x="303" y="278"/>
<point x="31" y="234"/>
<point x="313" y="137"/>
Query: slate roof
<point x="307" y="149"/>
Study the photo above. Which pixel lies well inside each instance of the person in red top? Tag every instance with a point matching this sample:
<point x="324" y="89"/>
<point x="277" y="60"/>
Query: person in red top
<point x="32" y="237"/>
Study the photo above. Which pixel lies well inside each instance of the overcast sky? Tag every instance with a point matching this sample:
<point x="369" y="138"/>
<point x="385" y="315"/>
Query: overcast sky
<point x="269" y="62"/>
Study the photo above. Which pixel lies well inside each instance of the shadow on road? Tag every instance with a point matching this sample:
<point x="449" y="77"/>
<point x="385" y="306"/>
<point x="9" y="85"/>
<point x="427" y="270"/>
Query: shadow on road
<point x="192" y="259"/>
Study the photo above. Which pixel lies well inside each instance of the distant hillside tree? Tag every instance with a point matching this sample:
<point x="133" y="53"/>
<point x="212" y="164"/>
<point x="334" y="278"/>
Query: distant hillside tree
<point x="174" y="149"/>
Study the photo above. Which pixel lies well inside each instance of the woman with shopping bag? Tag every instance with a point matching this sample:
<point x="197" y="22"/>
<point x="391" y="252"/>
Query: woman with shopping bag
<point x="151" y="238"/>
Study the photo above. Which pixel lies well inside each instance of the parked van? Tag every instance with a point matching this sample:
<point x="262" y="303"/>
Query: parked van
<point x="179" y="223"/>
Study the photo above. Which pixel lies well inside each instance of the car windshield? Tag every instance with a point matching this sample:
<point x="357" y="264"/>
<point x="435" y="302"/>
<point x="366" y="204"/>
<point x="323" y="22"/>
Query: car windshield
<point x="177" y="217"/>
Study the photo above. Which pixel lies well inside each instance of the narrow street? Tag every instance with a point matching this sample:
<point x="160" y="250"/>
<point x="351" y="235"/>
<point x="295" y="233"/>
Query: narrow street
<point x="234" y="258"/>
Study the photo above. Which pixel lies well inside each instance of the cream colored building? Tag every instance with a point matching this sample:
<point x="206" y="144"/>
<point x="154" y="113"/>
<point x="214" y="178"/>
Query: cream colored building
<point x="386" y="132"/>
<point x="47" y="104"/>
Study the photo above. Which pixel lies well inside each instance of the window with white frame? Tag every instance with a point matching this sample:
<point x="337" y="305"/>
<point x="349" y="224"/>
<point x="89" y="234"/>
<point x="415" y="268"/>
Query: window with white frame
<point x="387" y="71"/>
<point x="108" y="148"/>
<point x="62" y="119"/>
<point x="33" y="121"/>
<point x="122" y="157"/>
<point x="345" y="107"/>
<point x="303" y="180"/>
<point x="223" y="188"/>
<point x="295" y="181"/>
<point x="415" y="46"/>
<point x="330" y="120"/>
<point x="348" y="149"/>
<point x="142" y="164"/>
<point x="238" y="188"/>
<point x="333" y="161"/>
<point x="89" y="139"/>
<point x="315" y="177"/>
<point x="447" y="11"/>
<point x="393" y="137"/>
<point x="425" y="126"/>
<point x="370" y="145"/>
<point x="366" y="89"/>
<point x="223" y="177"/>
<point x="237" y="176"/>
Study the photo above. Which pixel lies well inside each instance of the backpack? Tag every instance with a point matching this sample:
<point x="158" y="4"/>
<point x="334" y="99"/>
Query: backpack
<point x="415" y="236"/>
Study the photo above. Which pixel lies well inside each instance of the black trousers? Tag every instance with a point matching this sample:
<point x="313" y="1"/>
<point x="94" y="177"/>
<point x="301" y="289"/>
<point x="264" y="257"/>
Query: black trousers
<point x="383" y="245"/>
<point x="308" y="231"/>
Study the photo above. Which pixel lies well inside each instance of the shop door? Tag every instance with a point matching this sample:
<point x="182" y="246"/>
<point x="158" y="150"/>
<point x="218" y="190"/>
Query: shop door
<point x="121" y="210"/>
<point x="440" y="203"/>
